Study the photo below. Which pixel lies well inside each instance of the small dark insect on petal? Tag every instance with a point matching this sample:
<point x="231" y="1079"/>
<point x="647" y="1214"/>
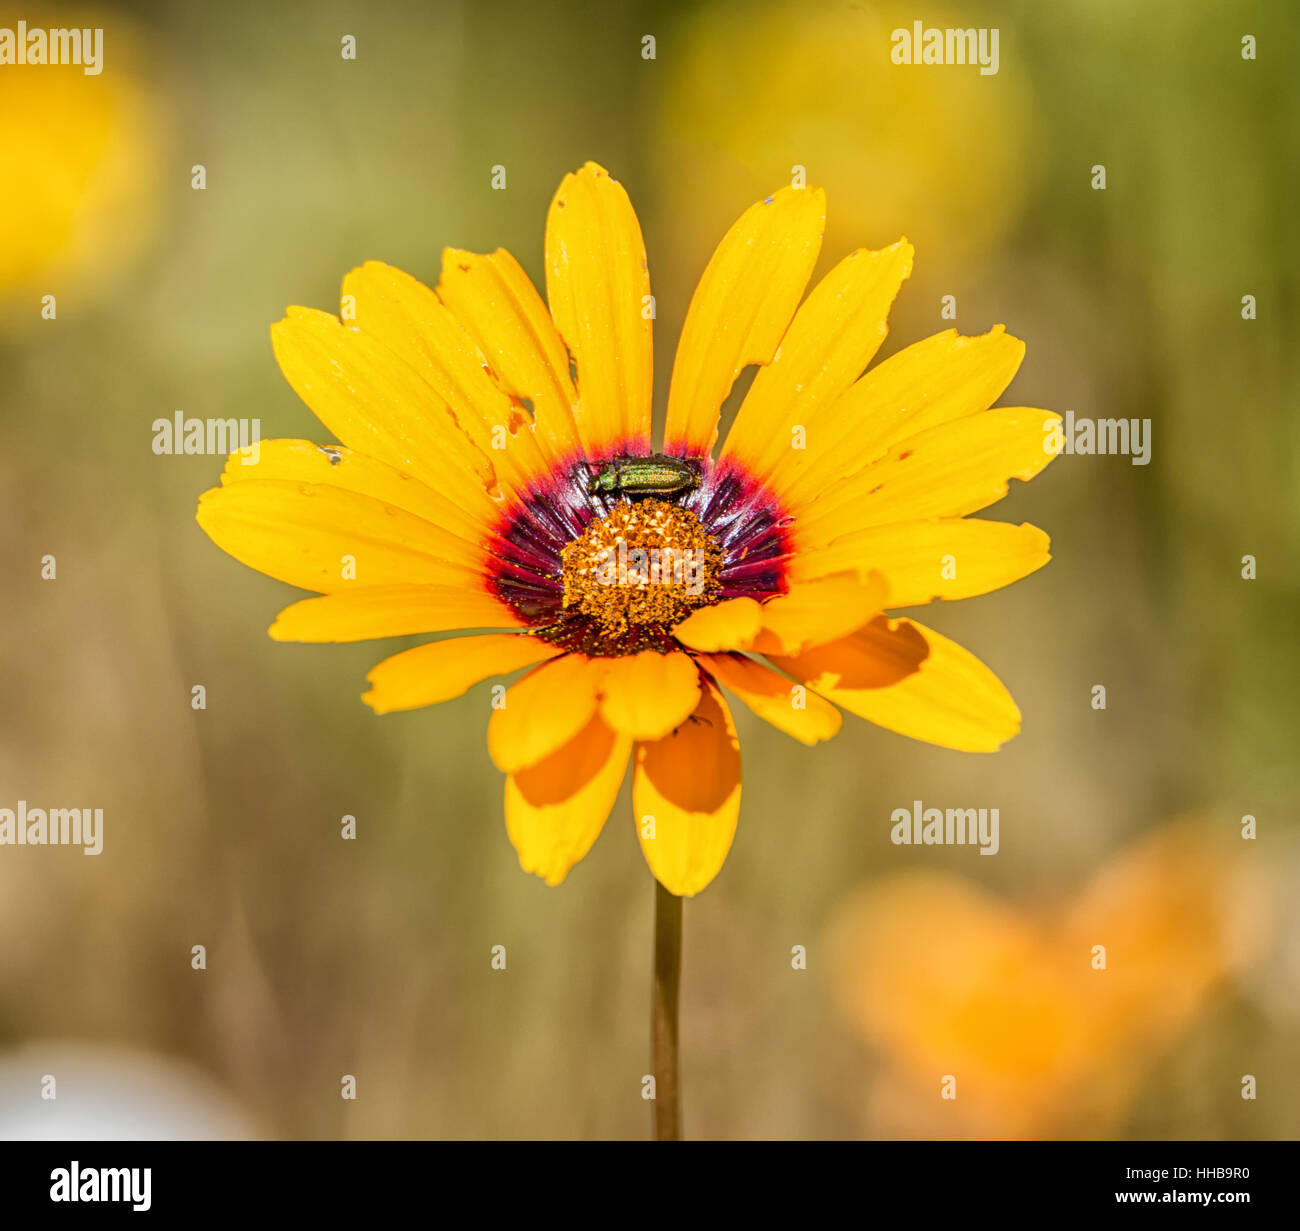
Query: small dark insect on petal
<point x="332" y="452"/>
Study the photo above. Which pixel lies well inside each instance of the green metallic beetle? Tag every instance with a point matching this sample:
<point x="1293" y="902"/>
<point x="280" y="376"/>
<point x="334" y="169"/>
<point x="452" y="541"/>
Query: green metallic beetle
<point x="656" y="475"/>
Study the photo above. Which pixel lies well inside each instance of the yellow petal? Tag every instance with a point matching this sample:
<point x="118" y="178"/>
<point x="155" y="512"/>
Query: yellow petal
<point x="686" y="793"/>
<point x="948" y="558"/>
<point x="598" y="287"/>
<point x="501" y="310"/>
<point x="741" y="309"/>
<point x="730" y="625"/>
<point x="907" y="678"/>
<point x="647" y="695"/>
<point x="931" y="382"/>
<point x="788" y="706"/>
<point x="304" y="462"/>
<point x="324" y="538"/>
<point x="441" y="670"/>
<point x="377" y="404"/>
<point x="392" y="611"/>
<point x="949" y="471"/>
<point x="543" y="711"/>
<point x="408" y="318"/>
<point x="823" y="609"/>
<point x="832" y="338"/>
<point x="556" y="809"/>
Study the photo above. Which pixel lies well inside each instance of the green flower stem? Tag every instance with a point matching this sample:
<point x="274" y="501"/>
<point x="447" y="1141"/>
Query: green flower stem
<point x="663" y="1014"/>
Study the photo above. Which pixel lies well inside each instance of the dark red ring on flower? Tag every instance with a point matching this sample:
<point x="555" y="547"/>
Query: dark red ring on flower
<point x="525" y="546"/>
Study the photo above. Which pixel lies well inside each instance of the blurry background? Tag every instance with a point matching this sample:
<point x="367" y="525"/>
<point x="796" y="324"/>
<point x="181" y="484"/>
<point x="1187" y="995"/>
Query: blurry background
<point x="372" y="957"/>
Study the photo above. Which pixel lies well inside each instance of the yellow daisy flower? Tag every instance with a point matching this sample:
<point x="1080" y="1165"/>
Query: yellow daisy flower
<point x="496" y="472"/>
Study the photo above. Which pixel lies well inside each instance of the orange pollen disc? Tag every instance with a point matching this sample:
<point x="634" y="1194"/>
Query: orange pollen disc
<point x="643" y="563"/>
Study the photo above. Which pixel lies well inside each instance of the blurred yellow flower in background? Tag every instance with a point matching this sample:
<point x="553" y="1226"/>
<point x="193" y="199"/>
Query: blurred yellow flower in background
<point x="1012" y="1000"/>
<point x="943" y="153"/>
<point x="79" y="166"/>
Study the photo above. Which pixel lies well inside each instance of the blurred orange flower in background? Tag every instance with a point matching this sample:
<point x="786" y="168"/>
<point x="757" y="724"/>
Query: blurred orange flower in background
<point x="1043" y="1015"/>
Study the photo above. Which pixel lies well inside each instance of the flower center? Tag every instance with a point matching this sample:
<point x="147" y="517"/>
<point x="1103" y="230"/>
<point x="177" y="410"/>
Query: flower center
<point x="643" y="563"/>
